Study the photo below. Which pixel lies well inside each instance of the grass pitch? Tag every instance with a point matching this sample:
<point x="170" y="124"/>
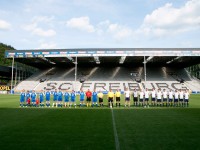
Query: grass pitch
<point x="92" y="128"/>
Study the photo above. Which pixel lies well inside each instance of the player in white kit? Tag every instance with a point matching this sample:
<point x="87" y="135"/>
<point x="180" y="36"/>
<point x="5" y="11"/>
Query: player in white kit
<point x="181" y="98"/>
<point x="164" y="103"/>
<point x="171" y="96"/>
<point x="135" y="97"/>
<point x="186" y="98"/>
<point x="153" y="97"/>
<point x="141" y="98"/>
<point x="176" y="98"/>
<point x="159" y="98"/>
<point x="146" y="95"/>
<point x="127" y="97"/>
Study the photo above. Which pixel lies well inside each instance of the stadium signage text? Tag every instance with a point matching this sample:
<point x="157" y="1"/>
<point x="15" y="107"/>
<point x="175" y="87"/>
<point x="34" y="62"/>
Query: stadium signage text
<point x="85" y="52"/>
<point x="4" y="88"/>
<point x="106" y="86"/>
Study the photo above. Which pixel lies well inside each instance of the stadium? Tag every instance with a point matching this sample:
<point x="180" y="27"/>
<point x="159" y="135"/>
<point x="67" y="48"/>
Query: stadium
<point x="102" y="69"/>
<point x="99" y="75"/>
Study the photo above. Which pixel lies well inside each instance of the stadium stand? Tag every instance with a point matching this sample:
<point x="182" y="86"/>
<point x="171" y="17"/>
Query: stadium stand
<point x="108" y="68"/>
<point x="103" y="78"/>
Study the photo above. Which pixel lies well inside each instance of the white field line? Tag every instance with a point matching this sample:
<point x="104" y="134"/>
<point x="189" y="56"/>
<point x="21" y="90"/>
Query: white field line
<point x="115" y="131"/>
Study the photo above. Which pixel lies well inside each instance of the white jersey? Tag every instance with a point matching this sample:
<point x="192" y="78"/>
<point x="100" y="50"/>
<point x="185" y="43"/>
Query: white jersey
<point x="146" y="93"/>
<point x="165" y="94"/>
<point x="176" y="95"/>
<point x="153" y="94"/>
<point x="141" y="95"/>
<point x="135" y="94"/>
<point x="127" y="93"/>
<point x="186" y="94"/>
<point x="171" y="95"/>
<point x="181" y="94"/>
<point x="159" y="95"/>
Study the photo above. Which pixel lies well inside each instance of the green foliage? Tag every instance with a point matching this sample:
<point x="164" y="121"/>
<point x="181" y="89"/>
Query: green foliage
<point x="3" y="48"/>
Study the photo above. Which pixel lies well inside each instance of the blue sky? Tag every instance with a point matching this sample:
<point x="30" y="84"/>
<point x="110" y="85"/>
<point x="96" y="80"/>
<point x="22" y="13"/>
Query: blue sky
<point x="37" y="24"/>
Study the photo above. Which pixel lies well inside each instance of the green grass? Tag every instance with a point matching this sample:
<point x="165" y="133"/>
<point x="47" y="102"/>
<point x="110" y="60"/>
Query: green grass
<point x="92" y="128"/>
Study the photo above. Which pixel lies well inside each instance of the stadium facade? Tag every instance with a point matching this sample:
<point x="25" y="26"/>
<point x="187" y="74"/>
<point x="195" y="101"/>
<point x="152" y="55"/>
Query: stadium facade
<point x="109" y="68"/>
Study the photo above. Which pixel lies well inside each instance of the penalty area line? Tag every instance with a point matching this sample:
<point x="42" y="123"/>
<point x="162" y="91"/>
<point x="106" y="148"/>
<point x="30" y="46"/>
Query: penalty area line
<point x="115" y="131"/>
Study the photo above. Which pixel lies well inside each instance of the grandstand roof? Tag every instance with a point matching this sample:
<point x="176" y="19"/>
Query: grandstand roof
<point x="176" y="57"/>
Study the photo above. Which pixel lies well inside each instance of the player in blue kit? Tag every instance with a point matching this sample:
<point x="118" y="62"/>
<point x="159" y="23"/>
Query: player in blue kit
<point x="60" y="98"/>
<point x="66" y="98"/>
<point x="22" y="98"/>
<point x="41" y="97"/>
<point x="82" y="97"/>
<point x="33" y="98"/>
<point x="55" y="97"/>
<point x="94" y="98"/>
<point x="47" y="96"/>
<point x="73" y="99"/>
<point x="28" y="98"/>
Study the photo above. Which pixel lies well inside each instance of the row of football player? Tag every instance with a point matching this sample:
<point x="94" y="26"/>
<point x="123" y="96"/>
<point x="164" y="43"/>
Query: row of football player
<point x="157" y="98"/>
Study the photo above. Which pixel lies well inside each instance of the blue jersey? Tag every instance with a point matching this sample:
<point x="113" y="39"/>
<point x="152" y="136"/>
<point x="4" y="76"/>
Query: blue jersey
<point x="55" y="96"/>
<point x="73" y="96"/>
<point x="60" y="94"/>
<point x="48" y="95"/>
<point x="41" y="97"/>
<point x="66" y="95"/>
<point x="28" y="95"/>
<point x="33" y="97"/>
<point x="94" y="96"/>
<point x="82" y="96"/>
<point x="22" y="97"/>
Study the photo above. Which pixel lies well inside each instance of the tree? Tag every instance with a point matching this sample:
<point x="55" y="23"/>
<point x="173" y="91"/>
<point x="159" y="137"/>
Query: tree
<point x="4" y="61"/>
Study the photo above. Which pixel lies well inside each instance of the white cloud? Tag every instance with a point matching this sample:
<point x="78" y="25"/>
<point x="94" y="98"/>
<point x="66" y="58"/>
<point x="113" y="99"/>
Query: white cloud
<point x="117" y="31"/>
<point x="168" y="19"/>
<point x="44" y="19"/>
<point x="34" y="28"/>
<point x="44" y="33"/>
<point x="81" y="23"/>
<point x="120" y="32"/>
<point x="4" y="25"/>
<point x="49" y="45"/>
<point x="30" y="27"/>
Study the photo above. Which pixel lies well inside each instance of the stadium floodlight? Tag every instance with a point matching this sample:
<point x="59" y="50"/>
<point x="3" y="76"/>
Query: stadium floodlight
<point x="70" y="58"/>
<point x="47" y="60"/>
<point x="122" y="59"/>
<point x="173" y="59"/>
<point x="148" y="59"/>
<point x="96" y="58"/>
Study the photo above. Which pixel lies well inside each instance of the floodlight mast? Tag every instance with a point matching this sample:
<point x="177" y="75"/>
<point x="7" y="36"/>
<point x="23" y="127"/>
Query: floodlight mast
<point x="145" y="74"/>
<point x="75" y="75"/>
<point x="12" y="74"/>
